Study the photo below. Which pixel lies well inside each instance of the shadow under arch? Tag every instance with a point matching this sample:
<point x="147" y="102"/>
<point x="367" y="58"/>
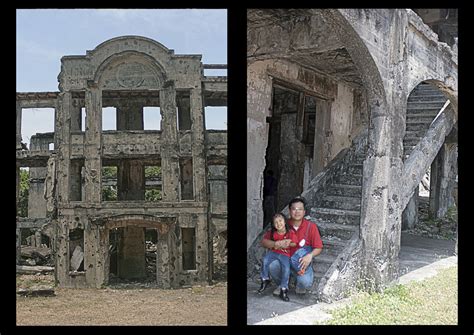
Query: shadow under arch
<point x="362" y="58"/>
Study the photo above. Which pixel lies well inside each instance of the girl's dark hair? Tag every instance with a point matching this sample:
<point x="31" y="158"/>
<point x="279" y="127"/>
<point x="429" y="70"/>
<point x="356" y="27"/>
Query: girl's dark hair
<point x="272" y="226"/>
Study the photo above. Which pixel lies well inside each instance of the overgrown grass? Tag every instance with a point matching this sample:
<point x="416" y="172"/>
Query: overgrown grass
<point x="433" y="301"/>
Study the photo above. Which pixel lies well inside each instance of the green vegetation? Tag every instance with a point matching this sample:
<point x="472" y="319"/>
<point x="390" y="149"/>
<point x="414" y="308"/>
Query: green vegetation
<point x="22" y="206"/>
<point x="109" y="193"/>
<point x="153" y="172"/>
<point x="433" y="301"/>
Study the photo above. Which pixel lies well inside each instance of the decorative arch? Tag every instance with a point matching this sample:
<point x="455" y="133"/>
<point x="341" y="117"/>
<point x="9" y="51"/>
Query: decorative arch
<point x="362" y="58"/>
<point x="447" y="87"/>
<point x="130" y="70"/>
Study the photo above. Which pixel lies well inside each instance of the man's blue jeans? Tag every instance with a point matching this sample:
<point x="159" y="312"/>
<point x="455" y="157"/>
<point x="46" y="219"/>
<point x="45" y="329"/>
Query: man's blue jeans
<point x="302" y="282"/>
<point x="295" y="259"/>
<point x="283" y="265"/>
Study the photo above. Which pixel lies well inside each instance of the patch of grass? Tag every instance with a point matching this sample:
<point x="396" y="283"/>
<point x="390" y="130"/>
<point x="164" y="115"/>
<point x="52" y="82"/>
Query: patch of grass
<point x="433" y="301"/>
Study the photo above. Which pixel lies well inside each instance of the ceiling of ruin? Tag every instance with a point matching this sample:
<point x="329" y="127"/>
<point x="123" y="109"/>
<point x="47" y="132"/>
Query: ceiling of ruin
<point x="301" y="36"/>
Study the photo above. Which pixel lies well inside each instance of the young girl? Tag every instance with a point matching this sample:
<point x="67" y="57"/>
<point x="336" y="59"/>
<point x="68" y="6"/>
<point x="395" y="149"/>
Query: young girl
<point x="280" y="231"/>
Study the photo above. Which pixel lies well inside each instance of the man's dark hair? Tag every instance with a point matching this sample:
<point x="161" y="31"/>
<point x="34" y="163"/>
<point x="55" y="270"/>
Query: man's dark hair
<point x="297" y="199"/>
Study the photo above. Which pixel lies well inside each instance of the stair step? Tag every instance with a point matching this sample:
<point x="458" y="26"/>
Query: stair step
<point x="336" y="215"/>
<point x="355" y="169"/>
<point x="349" y="179"/>
<point x="341" y="202"/>
<point x="422" y="116"/>
<point x="426" y="96"/>
<point x="415" y="133"/>
<point x="435" y="100"/>
<point x="418" y="121"/>
<point x="347" y="190"/>
<point x="426" y="109"/>
<point x="341" y="231"/>
<point x="412" y="126"/>
<point x="333" y="247"/>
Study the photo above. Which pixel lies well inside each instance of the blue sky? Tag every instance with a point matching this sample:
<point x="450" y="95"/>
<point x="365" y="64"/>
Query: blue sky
<point x="45" y="35"/>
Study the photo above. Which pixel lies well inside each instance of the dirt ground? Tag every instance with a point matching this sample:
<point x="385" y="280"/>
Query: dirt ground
<point x="128" y="304"/>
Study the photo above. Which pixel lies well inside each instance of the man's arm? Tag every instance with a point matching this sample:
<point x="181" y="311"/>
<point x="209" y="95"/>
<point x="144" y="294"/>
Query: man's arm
<point x="316" y="251"/>
<point x="269" y="244"/>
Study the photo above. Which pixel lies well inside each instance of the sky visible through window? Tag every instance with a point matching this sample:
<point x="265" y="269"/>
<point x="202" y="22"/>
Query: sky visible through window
<point x="45" y="35"/>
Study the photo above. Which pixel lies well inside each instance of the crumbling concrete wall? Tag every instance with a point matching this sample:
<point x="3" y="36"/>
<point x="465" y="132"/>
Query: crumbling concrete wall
<point x="334" y="126"/>
<point x="386" y="52"/>
<point x="130" y="73"/>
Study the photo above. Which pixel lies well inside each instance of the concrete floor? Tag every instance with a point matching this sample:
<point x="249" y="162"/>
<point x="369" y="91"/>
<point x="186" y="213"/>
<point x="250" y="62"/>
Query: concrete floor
<point x="416" y="252"/>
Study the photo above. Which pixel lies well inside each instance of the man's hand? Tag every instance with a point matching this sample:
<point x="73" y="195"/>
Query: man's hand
<point x="305" y="261"/>
<point x="282" y="244"/>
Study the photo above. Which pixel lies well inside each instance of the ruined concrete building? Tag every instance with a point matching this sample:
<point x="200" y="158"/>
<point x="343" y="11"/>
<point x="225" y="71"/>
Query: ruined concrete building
<point x="169" y="183"/>
<point x="350" y="108"/>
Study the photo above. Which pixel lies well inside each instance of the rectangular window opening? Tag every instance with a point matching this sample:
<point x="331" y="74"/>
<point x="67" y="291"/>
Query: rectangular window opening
<point x="83" y="119"/>
<point x="76" y="180"/>
<point x="216" y="117"/>
<point x="76" y="250"/>
<point x="153" y="183"/>
<point x="183" y="110"/>
<point x="109" y="183"/>
<point x="109" y="118"/>
<point x="188" y="240"/>
<point x="151" y="118"/>
<point x="37" y="121"/>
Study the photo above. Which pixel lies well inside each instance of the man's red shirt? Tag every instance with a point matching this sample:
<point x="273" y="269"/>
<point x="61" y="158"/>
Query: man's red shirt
<point x="313" y="237"/>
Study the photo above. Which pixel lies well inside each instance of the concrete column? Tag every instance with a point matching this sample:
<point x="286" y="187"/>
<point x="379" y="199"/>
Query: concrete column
<point x="18" y="244"/>
<point x="163" y="257"/>
<point x="381" y="210"/>
<point x="410" y="213"/>
<point x="75" y="180"/>
<point x="169" y="154"/>
<point x="93" y="145"/>
<point x="131" y="180"/>
<point x="203" y="247"/>
<point x="63" y="126"/>
<point x="198" y="148"/>
<point x="130" y="117"/>
<point x="443" y="173"/>
<point x="131" y="253"/>
<point x="36" y="201"/>
<point x="18" y="124"/>
<point x="76" y="117"/>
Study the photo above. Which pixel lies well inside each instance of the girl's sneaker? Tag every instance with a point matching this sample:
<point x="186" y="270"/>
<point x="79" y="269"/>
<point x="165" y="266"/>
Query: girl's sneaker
<point x="263" y="285"/>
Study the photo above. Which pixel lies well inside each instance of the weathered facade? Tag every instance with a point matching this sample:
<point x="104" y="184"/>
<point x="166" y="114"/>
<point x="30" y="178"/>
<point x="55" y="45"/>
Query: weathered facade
<point x="350" y="108"/>
<point x="188" y="208"/>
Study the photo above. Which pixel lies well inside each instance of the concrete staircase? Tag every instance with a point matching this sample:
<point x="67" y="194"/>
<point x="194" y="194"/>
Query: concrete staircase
<point x="336" y="211"/>
<point x="423" y="105"/>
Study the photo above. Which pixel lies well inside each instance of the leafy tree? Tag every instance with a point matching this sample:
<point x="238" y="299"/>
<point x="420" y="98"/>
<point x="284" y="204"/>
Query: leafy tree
<point x="22" y="206"/>
<point x="109" y="193"/>
<point x="153" y="171"/>
<point x="153" y="195"/>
